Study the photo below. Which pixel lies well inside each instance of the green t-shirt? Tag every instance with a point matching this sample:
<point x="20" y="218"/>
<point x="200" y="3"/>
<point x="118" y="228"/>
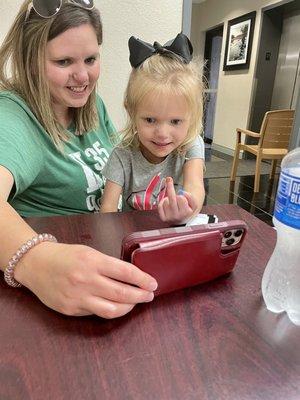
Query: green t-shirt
<point x="47" y="181"/>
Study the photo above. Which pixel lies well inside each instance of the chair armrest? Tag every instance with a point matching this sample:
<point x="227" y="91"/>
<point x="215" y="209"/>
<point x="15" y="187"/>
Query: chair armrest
<point x="249" y="133"/>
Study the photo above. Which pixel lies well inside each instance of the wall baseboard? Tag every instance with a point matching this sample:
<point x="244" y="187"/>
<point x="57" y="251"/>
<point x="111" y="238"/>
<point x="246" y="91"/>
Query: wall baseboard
<point x="222" y="149"/>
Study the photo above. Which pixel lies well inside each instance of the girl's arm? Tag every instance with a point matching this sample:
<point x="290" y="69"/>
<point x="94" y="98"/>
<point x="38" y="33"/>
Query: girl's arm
<point x="193" y="182"/>
<point x="71" y="279"/>
<point x="179" y="208"/>
<point x="110" y="197"/>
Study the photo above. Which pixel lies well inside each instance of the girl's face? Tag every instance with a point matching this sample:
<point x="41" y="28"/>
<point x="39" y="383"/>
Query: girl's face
<point x="72" y="68"/>
<point x="162" y="124"/>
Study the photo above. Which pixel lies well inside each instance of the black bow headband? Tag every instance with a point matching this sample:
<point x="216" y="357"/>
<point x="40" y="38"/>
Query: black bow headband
<point x="140" y="50"/>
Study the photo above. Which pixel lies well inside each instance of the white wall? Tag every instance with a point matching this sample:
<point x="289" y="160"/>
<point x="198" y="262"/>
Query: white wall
<point x="148" y="19"/>
<point x="235" y="87"/>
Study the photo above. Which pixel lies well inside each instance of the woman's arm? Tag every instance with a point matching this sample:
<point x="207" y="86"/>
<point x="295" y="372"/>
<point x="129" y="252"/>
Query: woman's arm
<point x="13" y="230"/>
<point x="71" y="279"/>
<point x="110" y="197"/>
<point x="179" y="208"/>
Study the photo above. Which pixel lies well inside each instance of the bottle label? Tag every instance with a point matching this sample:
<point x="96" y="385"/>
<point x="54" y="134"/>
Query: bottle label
<point x="287" y="205"/>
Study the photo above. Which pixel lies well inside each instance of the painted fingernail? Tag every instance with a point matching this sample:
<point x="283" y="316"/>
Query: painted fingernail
<point x="181" y="192"/>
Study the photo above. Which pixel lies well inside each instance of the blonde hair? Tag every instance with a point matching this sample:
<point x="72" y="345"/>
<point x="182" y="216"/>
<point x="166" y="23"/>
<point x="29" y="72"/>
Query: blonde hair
<point x="164" y="74"/>
<point x="23" y="50"/>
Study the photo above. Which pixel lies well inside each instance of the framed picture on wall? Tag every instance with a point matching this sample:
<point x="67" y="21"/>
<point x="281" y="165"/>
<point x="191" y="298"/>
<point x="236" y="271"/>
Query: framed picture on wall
<point x="239" y="42"/>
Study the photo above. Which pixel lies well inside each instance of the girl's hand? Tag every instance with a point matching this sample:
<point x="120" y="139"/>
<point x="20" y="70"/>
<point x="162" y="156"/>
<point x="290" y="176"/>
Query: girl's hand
<point x="176" y="208"/>
<point x="78" y="280"/>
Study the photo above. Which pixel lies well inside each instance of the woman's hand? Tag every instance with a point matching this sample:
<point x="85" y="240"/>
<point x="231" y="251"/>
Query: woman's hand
<point x="176" y="208"/>
<point x="78" y="280"/>
<point x="71" y="279"/>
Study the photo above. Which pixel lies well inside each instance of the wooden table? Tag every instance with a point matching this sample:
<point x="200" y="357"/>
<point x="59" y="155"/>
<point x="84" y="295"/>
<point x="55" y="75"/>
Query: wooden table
<point x="212" y="342"/>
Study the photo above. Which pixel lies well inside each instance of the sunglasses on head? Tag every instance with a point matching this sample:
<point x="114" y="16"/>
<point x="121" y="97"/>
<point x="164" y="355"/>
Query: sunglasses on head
<point x="49" y="8"/>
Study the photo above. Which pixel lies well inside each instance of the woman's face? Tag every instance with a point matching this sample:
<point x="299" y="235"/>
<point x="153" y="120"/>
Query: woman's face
<point x="72" y="68"/>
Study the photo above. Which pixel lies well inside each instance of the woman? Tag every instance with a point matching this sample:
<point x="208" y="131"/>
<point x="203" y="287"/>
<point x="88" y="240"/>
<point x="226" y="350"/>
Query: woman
<point x="54" y="142"/>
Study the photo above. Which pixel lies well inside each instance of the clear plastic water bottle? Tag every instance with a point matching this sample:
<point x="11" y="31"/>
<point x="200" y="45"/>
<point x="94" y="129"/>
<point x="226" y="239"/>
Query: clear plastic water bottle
<point x="281" y="279"/>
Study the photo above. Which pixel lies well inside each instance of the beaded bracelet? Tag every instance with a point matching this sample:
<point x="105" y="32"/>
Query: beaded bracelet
<point x="9" y="270"/>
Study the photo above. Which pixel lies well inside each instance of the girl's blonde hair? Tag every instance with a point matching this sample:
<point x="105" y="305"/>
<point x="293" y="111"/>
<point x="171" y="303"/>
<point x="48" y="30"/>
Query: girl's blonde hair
<point x="164" y="74"/>
<point x="23" y="50"/>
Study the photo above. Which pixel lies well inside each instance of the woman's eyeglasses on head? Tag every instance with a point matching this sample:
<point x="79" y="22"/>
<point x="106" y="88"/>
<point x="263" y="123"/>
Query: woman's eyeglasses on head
<point x="49" y="8"/>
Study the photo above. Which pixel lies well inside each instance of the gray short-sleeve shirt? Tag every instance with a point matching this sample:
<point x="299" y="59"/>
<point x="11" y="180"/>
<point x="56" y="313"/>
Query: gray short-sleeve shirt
<point x="142" y="181"/>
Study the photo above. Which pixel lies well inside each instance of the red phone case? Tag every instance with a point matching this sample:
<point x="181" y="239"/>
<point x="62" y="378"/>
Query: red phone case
<point x="185" y="256"/>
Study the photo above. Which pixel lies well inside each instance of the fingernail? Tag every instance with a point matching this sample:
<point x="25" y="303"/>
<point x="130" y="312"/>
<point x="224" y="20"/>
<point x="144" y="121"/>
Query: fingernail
<point x="152" y="286"/>
<point x="150" y="297"/>
<point x="181" y="192"/>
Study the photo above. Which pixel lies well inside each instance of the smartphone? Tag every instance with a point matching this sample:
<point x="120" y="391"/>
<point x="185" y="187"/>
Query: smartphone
<point x="231" y="232"/>
<point x="185" y="256"/>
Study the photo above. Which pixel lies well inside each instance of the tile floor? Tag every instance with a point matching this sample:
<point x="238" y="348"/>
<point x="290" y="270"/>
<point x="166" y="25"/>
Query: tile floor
<point x="221" y="191"/>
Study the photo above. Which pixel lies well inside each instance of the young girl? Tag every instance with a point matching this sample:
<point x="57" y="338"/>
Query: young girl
<point x="159" y="162"/>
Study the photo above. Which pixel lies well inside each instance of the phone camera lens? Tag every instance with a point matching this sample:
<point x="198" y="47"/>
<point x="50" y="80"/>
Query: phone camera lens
<point x="227" y="234"/>
<point x="238" y="233"/>
<point x="229" y="241"/>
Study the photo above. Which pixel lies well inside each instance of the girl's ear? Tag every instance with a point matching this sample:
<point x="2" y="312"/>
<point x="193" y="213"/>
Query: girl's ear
<point x="129" y="112"/>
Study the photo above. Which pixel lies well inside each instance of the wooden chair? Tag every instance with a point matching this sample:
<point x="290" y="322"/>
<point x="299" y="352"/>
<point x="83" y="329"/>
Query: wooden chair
<point x="273" y="142"/>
